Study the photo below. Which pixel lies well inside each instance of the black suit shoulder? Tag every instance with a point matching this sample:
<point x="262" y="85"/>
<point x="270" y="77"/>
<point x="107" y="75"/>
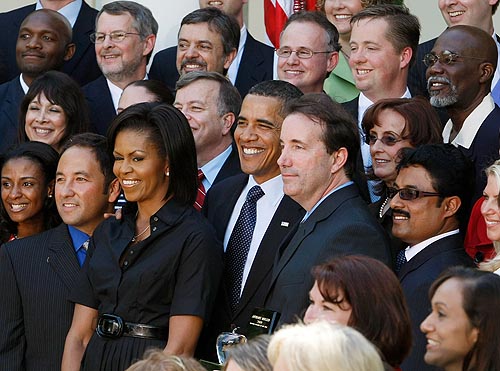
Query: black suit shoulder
<point x="164" y="67"/>
<point x="11" y="95"/>
<point x="416" y="76"/>
<point x="231" y="166"/>
<point x="101" y="108"/>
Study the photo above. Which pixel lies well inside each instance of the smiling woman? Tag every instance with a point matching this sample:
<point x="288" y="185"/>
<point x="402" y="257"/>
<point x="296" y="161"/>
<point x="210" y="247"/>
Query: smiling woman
<point x="27" y="190"/>
<point x="53" y="110"/>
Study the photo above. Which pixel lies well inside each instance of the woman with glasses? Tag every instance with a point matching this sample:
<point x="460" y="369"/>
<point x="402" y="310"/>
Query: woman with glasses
<point x="462" y="328"/>
<point x="340" y="84"/>
<point x="390" y="125"/>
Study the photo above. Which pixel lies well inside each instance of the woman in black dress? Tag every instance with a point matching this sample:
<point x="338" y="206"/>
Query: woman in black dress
<point x="152" y="276"/>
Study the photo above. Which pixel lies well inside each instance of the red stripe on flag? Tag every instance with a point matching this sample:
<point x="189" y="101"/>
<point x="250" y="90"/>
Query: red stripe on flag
<point x="274" y="18"/>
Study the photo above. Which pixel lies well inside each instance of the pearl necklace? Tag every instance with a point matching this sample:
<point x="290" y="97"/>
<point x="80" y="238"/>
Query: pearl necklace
<point x="382" y="211"/>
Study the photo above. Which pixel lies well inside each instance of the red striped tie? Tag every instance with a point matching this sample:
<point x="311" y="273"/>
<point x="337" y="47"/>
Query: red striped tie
<point x="200" y="196"/>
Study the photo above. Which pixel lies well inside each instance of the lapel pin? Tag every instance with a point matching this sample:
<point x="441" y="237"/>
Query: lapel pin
<point x="285" y="224"/>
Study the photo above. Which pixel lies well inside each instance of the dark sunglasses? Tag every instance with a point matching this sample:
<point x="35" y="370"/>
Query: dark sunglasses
<point x="388" y="140"/>
<point x="409" y="194"/>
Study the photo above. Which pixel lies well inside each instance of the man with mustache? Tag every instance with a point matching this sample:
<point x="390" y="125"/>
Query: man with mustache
<point x="124" y="40"/>
<point x="43" y="44"/>
<point x="429" y="203"/>
<point x="253" y="62"/>
<point x="460" y="70"/>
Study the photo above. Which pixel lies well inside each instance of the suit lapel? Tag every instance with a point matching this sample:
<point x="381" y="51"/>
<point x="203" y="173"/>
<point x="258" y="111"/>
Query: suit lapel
<point x="62" y="257"/>
<point x="82" y="29"/>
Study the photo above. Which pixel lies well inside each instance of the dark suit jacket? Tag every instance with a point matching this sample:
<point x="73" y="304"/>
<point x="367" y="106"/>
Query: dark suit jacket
<point x="484" y="150"/>
<point x="36" y="276"/>
<point x="218" y="208"/>
<point x="256" y="65"/>
<point x="231" y="166"/>
<point x="416" y="277"/>
<point x="11" y="95"/>
<point x="82" y="67"/>
<point x="101" y="108"/>
<point x="341" y="224"/>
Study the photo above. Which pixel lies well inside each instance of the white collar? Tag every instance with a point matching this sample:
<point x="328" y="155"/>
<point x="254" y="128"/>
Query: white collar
<point x="412" y="251"/>
<point x="70" y="11"/>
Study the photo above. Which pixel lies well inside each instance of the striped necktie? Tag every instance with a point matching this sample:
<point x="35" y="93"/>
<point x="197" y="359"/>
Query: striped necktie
<point x="200" y="196"/>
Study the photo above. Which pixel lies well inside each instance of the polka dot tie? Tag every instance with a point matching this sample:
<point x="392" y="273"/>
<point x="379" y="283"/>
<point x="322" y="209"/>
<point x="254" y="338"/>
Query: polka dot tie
<point x="400" y="260"/>
<point x="239" y="244"/>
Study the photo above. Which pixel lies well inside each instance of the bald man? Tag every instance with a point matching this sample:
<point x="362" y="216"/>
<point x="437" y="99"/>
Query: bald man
<point x="460" y="69"/>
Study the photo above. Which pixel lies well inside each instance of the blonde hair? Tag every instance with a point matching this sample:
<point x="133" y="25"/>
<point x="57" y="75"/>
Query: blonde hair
<point x="251" y="356"/>
<point x="157" y="360"/>
<point x="493" y="264"/>
<point x="321" y="346"/>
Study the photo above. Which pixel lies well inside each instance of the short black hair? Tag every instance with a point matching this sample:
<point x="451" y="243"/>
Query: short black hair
<point x="279" y="89"/>
<point x="339" y="128"/>
<point x="451" y="172"/>
<point x="170" y="133"/>
<point x="98" y="145"/>
<point x="157" y="88"/>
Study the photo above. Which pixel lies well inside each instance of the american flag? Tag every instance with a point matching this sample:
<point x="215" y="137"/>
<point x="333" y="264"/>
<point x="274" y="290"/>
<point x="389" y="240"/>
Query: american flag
<point x="276" y="13"/>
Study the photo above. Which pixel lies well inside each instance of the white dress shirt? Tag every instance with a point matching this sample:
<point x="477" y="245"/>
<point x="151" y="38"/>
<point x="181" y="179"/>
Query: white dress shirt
<point x="212" y="167"/>
<point x="70" y="11"/>
<point x="412" y="251"/>
<point x="266" y="208"/>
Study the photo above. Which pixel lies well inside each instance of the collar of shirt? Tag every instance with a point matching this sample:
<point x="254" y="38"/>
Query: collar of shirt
<point x="78" y="237"/>
<point x="212" y="167"/>
<point x="324" y="197"/>
<point x="471" y="125"/>
<point x="411" y="251"/>
<point x="496" y="76"/>
<point x="70" y="11"/>
<point x="24" y="86"/>
<point x="232" y="72"/>
<point x="364" y="103"/>
<point x="116" y="92"/>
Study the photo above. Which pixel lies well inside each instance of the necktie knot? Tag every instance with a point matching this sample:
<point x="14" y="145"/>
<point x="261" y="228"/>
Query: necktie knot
<point x="254" y="194"/>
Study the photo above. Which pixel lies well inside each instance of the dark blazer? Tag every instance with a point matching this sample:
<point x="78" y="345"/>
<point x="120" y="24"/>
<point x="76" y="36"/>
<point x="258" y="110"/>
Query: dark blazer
<point x="484" y="150"/>
<point x="416" y="277"/>
<point x="101" y="108"/>
<point x="36" y="276"/>
<point x="256" y="65"/>
<point x="231" y="166"/>
<point x="218" y="208"/>
<point x="11" y="95"/>
<point x="82" y="67"/>
<point x="341" y="224"/>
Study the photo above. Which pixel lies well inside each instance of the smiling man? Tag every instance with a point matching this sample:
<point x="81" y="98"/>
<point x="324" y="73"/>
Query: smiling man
<point x="211" y="104"/>
<point x="384" y="40"/>
<point x="38" y="272"/>
<point x="124" y="40"/>
<point x="43" y="44"/>
<point x="257" y="138"/>
<point x="309" y="46"/>
<point x="460" y="70"/>
<point x="429" y="203"/>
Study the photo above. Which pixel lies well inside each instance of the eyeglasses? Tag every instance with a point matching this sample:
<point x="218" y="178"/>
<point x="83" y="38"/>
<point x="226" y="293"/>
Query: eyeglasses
<point x="446" y="57"/>
<point x="388" y="140"/>
<point x="302" y="53"/>
<point x="409" y="194"/>
<point x="115" y="36"/>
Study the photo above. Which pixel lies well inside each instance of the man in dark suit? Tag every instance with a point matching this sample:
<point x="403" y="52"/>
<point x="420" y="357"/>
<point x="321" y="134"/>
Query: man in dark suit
<point x="82" y="67"/>
<point x="380" y="62"/>
<point x="429" y="203"/>
<point x="37" y="273"/>
<point x="211" y="104"/>
<point x="257" y="139"/>
<point x="124" y="40"/>
<point x="44" y="44"/>
<point x="253" y="62"/>
<point x="460" y="70"/>
<point x="470" y="13"/>
<point x="319" y="142"/>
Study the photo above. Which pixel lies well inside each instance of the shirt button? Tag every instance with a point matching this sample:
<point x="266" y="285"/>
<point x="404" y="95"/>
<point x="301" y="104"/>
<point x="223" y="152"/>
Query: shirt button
<point x="125" y="263"/>
<point x="154" y="229"/>
<point x="131" y="252"/>
<point x="155" y="218"/>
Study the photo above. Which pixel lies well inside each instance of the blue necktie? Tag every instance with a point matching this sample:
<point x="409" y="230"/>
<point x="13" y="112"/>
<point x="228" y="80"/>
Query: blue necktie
<point x="400" y="260"/>
<point x="239" y="245"/>
<point x="81" y="253"/>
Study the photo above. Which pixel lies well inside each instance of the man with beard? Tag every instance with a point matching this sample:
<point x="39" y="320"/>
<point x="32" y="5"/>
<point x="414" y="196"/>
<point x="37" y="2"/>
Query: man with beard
<point x="43" y="44"/>
<point x="429" y="202"/>
<point x="460" y="69"/>
<point x="124" y="40"/>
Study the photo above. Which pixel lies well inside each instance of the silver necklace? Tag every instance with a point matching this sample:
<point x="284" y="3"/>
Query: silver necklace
<point x="134" y="239"/>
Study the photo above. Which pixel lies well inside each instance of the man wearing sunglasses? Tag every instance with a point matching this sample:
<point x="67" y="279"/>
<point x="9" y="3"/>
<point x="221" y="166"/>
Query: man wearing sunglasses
<point x="460" y="70"/>
<point x="124" y="40"/>
<point x="429" y="203"/>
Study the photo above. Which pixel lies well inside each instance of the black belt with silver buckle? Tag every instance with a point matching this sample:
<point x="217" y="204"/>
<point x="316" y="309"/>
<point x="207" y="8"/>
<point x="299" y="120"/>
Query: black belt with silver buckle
<point x="111" y="326"/>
